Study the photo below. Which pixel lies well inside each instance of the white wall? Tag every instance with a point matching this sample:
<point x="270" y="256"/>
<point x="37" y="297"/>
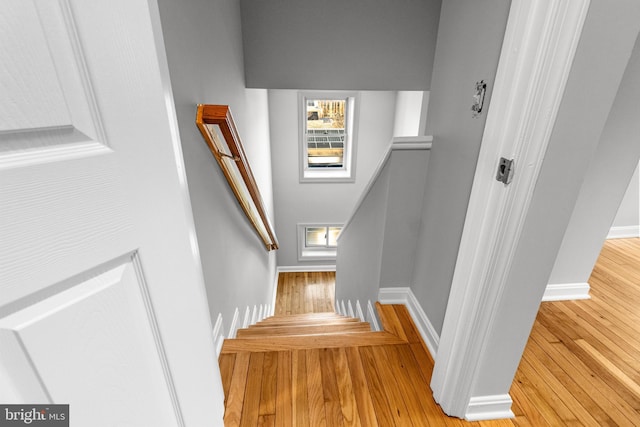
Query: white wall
<point x="313" y="202"/>
<point x="469" y="41"/>
<point x="603" y="189"/>
<point x="338" y="44"/>
<point x="204" y="49"/>
<point x="409" y="106"/>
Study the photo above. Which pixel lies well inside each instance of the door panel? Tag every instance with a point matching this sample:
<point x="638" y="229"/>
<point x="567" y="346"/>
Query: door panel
<point x="98" y="336"/>
<point x="102" y="301"/>
<point x="49" y="98"/>
<point x="59" y="220"/>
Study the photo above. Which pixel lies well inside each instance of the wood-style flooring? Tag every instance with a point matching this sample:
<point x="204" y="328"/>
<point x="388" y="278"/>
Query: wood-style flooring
<point x="581" y="366"/>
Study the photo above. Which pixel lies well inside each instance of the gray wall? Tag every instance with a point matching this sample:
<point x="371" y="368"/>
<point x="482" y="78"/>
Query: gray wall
<point x="360" y="249"/>
<point x="338" y="44"/>
<point x="608" y="176"/>
<point x="315" y="202"/>
<point x="404" y="206"/>
<point x="628" y="214"/>
<point x="238" y="270"/>
<point x="466" y="53"/>
<point x="377" y="247"/>
<point x="604" y="49"/>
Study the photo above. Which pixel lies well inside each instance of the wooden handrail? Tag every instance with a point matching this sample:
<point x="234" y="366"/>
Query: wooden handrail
<point x="221" y="135"/>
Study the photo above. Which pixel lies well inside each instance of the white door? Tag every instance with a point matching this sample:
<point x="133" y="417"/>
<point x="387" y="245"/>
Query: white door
<point x="102" y="303"/>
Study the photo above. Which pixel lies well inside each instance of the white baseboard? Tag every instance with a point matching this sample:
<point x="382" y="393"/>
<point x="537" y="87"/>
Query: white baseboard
<point x="234" y="323"/>
<point x="359" y="313"/>
<point x="304" y="268"/>
<point x="489" y="408"/>
<point x="405" y="296"/>
<point x="371" y="317"/>
<point x="566" y="291"/>
<point x="624" y="232"/>
<point x="274" y="297"/>
<point x="218" y="335"/>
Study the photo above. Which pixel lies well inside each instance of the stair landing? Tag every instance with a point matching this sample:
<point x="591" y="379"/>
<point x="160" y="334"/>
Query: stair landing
<point x="314" y="377"/>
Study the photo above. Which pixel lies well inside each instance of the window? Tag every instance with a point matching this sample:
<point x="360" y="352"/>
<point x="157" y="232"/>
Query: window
<point x="317" y="241"/>
<point x="327" y="136"/>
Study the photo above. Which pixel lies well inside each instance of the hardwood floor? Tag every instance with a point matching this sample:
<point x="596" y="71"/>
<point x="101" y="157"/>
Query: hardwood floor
<point x="581" y="366"/>
<point x="305" y="292"/>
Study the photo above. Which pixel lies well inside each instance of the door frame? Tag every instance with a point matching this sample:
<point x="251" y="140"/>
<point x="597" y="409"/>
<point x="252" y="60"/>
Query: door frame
<point x="540" y="42"/>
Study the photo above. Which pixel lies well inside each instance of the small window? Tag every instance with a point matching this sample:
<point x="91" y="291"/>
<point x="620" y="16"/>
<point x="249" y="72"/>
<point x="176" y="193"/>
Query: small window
<point x="327" y="138"/>
<point x="317" y="241"/>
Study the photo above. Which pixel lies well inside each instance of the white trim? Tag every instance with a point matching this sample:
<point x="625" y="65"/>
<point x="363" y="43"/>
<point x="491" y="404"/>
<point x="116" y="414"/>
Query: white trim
<point x="218" y="334"/>
<point x="537" y="52"/>
<point x="234" y="323"/>
<point x="359" y="313"/>
<point x="305" y="268"/>
<point x="624" y="232"/>
<point x="350" y="309"/>
<point x="274" y="297"/>
<point x="406" y="297"/>
<point x="566" y="291"/>
<point x="372" y="318"/>
<point x="247" y="318"/>
<point x="315" y="253"/>
<point x="397" y="143"/>
<point x="254" y="316"/>
<point x="489" y="408"/>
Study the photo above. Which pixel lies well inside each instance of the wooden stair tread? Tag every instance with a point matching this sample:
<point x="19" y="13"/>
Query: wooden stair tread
<point x="299" y="342"/>
<point x="304" y="329"/>
<point x="310" y="322"/>
<point x="305" y="316"/>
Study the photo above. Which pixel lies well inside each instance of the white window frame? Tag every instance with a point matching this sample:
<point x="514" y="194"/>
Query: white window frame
<point x="314" y="253"/>
<point x="347" y="173"/>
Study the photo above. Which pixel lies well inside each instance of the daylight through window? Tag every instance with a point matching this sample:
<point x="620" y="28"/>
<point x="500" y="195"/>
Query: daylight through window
<point x="327" y="147"/>
<point x="326" y="237"/>
<point x="325" y="133"/>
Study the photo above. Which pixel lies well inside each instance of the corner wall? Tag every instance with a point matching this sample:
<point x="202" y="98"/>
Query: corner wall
<point x="204" y="49"/>
<point x="608" y="176"/>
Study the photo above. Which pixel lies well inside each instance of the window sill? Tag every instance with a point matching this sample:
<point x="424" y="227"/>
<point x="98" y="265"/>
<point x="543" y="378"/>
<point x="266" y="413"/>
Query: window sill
<point x="318" y="254"/>
<point x="327" y="176"/>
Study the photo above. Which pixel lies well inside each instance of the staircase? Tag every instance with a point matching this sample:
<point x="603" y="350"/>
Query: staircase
<point x="327" y="369"/>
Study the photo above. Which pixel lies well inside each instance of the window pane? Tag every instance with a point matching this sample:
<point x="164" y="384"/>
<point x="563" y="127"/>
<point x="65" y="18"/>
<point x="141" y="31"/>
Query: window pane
<point x="316" y="236"/>
<point x="333" y="235"/>
<point x="325" y="133"/>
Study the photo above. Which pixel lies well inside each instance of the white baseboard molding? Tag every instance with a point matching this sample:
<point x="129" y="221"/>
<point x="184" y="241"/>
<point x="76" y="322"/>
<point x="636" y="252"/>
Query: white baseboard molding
<point x="359" y="313"/>
<point x="566" y="291"/>
<point x="218" y="335"/>
<point x="406" y="297"/>
<point x="304" y="268"/>
<point x="371" y="317"/>
<point x="274" y="296"/>
<point x="247" y="318"/>
<point x="489" y="408"/>
<point x="626" y="232"/>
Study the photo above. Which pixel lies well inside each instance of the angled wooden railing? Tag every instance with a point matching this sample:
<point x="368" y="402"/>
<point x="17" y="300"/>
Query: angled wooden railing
<point x="219" y="131"/>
